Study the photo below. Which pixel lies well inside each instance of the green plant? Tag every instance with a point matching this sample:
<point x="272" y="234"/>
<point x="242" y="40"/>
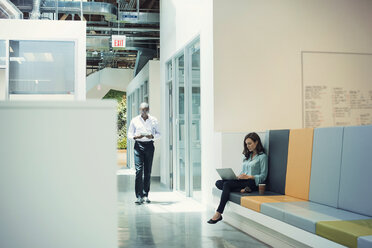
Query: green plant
<point x="120" y="97"/>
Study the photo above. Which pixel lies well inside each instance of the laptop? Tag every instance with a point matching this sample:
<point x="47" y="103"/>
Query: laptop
<point x="226" y="174"/>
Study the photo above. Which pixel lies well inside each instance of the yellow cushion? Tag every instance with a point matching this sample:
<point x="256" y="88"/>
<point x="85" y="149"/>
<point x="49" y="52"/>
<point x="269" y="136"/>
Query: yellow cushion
<point x="254" y="202"/>
<point x="300" y="150"/>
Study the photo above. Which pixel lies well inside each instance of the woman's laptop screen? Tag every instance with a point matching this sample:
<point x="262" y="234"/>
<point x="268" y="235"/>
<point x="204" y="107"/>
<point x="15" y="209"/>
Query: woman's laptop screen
<point x="227" y="174"/>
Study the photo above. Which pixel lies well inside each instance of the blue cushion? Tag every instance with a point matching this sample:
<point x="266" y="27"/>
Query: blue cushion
<point x="276" y="210"/>
<point x="365" y="242"/>
<point x="305" y="215"/>
<point x="278" y="153"/>
<point x="356" y="170"/>
<point x="325" y="166"/>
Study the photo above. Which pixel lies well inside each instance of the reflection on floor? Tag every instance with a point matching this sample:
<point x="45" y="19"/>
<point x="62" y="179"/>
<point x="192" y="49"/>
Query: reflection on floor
<point x="171" y="220"/>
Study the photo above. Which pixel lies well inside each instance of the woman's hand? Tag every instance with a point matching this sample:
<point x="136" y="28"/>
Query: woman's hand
<point x="245" y="176"/>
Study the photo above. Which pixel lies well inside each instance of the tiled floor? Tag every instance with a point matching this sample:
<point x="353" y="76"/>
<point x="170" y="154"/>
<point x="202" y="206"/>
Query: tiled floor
<point x="171" y="220"/>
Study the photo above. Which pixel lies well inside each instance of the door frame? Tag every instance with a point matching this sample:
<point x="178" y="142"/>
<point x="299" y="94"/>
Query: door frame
<point x="185" y="51"/>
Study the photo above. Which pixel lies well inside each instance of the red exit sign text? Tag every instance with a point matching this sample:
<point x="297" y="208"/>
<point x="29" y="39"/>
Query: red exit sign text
<point x="118" y="40"/>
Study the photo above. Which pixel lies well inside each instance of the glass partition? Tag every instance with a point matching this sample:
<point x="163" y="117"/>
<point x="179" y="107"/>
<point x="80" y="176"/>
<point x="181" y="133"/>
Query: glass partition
<point x="42" y="67"/>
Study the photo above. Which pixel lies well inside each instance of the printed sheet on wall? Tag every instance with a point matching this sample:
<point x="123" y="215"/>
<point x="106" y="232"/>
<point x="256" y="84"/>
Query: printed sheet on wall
<point x="337" y="89"/>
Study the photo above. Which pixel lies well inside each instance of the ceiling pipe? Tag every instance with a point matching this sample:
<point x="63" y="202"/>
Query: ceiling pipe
<point x="35" y="14"/>
<point x="9" y="11"/>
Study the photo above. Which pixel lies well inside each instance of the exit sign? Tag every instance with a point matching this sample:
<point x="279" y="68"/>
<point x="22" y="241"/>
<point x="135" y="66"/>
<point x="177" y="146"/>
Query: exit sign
<point x="118" y="41"/>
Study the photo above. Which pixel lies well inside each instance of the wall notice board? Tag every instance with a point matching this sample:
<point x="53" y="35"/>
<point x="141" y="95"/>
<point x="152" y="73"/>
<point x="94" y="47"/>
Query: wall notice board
<point x="337" y="89"/>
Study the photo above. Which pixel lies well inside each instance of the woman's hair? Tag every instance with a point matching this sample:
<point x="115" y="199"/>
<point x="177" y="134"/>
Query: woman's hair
<point x="259" y="147"/>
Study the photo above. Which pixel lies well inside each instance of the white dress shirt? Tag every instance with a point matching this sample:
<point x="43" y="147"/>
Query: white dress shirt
<point x="139" y="126"/>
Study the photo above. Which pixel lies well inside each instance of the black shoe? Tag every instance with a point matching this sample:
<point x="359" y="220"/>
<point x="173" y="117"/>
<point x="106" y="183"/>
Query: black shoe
<point x="247" y="190"/>
<point x="214" y="221"/>
<point x="139" y="201"/>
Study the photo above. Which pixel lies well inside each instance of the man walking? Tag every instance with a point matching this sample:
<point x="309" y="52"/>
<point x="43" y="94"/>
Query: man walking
<point x="143" y="129"/>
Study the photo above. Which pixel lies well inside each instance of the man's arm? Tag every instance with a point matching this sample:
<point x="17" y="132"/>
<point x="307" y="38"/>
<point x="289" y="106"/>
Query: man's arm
<point x="156" y="131"/>
<point x="131" y="131"/>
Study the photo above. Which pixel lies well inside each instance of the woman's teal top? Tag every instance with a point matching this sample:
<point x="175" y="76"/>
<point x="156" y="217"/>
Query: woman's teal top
<point x="257" y="167"/>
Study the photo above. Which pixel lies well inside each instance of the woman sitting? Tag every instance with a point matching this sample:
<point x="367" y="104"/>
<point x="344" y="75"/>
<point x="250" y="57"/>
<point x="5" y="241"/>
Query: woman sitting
<point x="254" y="172"/>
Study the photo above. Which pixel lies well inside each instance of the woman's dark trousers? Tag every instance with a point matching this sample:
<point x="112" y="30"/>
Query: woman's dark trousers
<point x="228" y="186"/>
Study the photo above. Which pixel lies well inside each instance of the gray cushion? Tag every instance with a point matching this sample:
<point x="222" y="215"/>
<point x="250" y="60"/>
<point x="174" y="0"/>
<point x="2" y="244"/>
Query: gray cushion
<point x="325" y="166"/>
<point x="356" y="170"/>
<point x="236" y="196"/>
<point x="305" y="215"/>
<point x="365" y="242"/>
<point x="278" y="147"/>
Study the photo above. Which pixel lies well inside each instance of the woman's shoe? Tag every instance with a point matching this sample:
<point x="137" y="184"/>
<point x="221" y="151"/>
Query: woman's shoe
<point x="214" y="221"/>
<point x="246" y="190"/>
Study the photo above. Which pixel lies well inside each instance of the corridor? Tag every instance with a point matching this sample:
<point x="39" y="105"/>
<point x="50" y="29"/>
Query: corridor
<point x="171" y="220"/>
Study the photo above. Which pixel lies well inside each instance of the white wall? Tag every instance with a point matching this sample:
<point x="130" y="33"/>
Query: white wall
<point x="257" y="55"/>
<point x="57" y="180"/>
<point x="155" y="110"/>
<point x="151" y="73"/>
<point x="99" y="83"/>
<point x="52" y="30"/>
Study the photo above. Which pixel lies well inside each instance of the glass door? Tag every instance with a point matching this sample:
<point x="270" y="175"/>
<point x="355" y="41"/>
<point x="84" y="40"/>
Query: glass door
<point x="186" y="153"/>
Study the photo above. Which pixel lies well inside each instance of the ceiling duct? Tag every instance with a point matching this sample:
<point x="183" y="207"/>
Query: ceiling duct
<point x="140" y="18"/>
<point x="108" y="10"/>
<point x="9" y="11"/>
<point x="143" y="56"/>
<point x="35" y="14"/>
<point x="89" y="8"/>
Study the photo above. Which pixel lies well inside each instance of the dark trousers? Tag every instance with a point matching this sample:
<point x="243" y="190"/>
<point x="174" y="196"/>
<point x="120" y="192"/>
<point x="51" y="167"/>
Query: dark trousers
<point x="143" y="155"/>
<point x="232" y="185"/>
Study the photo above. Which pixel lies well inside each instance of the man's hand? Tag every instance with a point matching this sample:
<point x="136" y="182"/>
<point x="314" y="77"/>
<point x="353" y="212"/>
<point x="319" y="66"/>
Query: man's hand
<point x="150" y="136"/>
<point x="138" y="137"/>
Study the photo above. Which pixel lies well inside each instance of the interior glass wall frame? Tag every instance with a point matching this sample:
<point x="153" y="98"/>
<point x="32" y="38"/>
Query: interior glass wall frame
<point x="4" y="70"/>
<point x="75" y="58"/>
<point x="183" y="115"/>
<point x="171" y="175"/>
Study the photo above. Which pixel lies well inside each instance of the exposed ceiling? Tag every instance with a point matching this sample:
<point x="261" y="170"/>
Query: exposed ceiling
<point x="104" y="19"/>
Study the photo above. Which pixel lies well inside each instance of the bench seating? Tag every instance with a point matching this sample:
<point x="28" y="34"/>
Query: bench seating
<point x="319" y="181"/>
